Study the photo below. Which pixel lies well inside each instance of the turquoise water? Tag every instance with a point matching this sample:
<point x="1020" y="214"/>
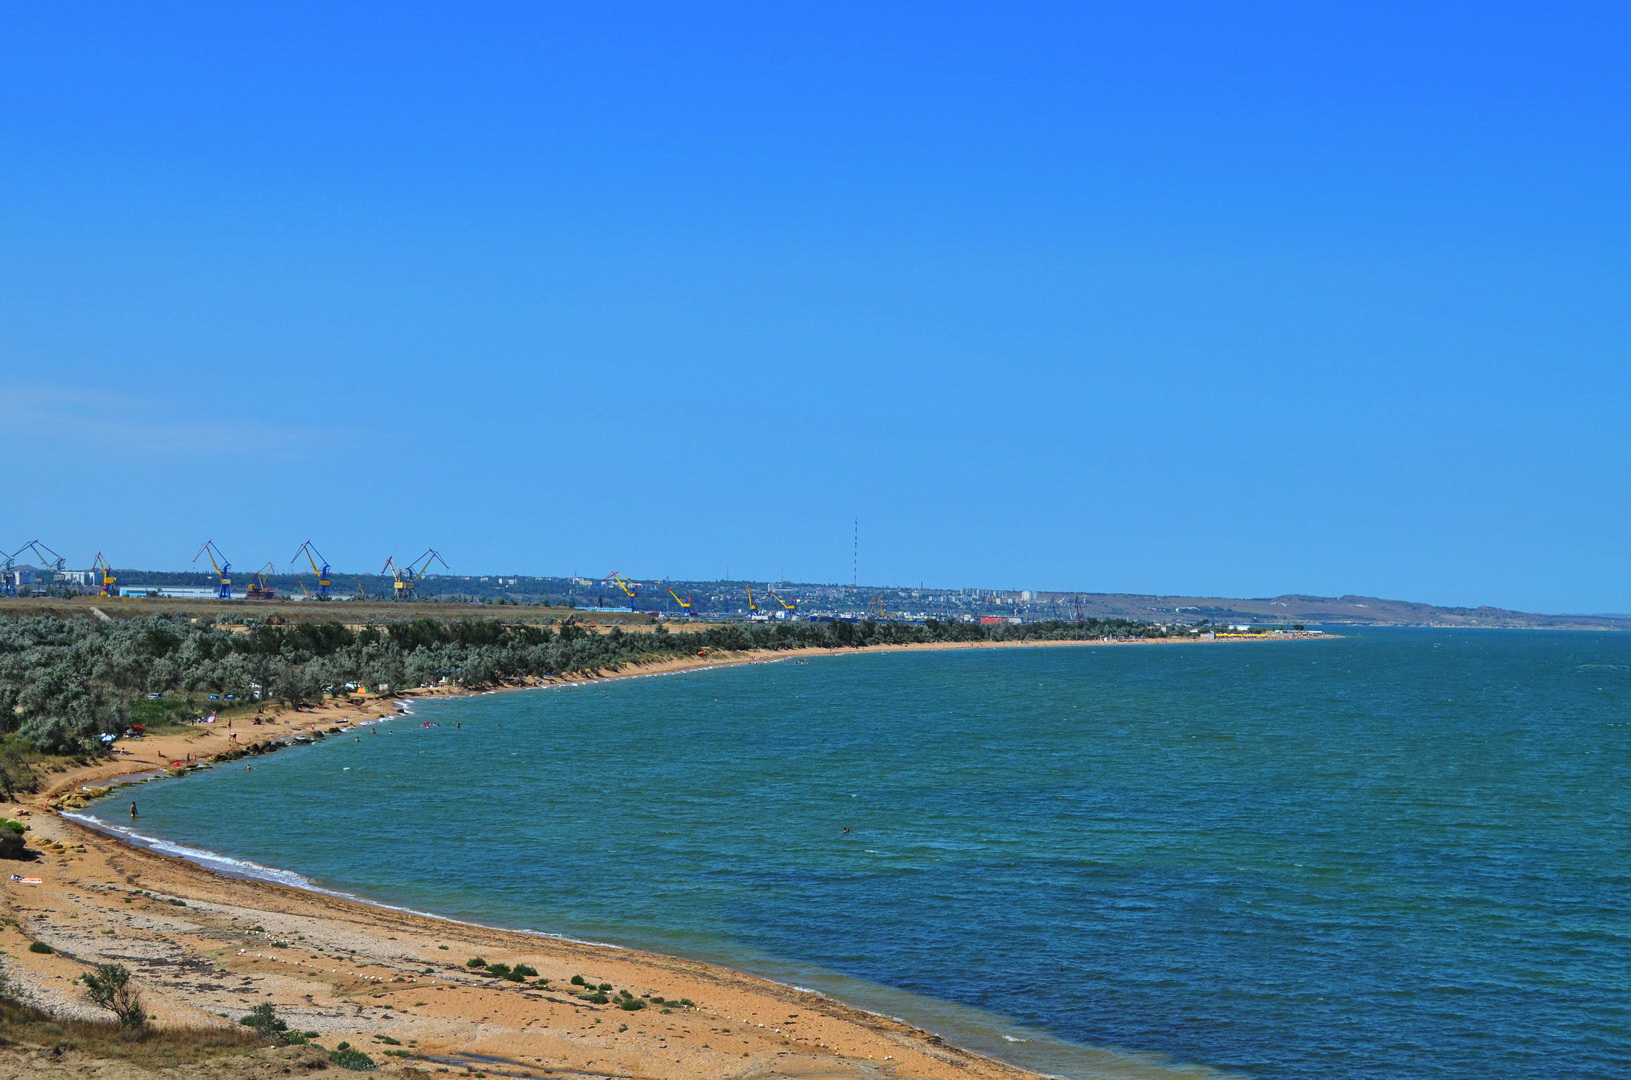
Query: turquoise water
<point x="1400" y="854"/>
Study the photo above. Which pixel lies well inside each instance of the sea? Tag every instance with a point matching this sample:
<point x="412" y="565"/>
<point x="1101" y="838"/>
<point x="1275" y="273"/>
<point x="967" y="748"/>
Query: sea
<point x="1397" y="853"/>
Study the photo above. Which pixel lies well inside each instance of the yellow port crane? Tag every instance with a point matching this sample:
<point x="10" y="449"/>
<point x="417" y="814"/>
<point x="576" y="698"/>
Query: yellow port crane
<point x="683" y="601"/>
<point x="631" y="589"/>
<point x="108" y="581"/>
<point x="222" y="567"/>
<point x="785" y="605"/>
<point x="405" y="579"/>
<point x="258" y="589"/>
<point x="314" y="557"/>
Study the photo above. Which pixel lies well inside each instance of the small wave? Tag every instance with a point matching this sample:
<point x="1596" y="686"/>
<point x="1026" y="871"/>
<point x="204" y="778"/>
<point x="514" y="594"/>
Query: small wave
<point x="225" y="864"/>
<point x="252" y="871"/>
<point x="1014" y="1039"/>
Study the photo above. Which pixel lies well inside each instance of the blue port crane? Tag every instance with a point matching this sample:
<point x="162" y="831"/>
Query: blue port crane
<point x="314" y="557"/>
<point x="221" y="566"/>
<point x="48" y="558"/>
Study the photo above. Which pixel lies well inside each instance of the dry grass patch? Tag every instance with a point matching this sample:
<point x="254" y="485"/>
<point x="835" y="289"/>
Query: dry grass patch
<point x="151" y="1048"/>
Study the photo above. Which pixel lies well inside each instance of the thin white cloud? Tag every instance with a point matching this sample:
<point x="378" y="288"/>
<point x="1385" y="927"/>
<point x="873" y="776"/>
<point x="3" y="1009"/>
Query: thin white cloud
<point x="70" y="421"/>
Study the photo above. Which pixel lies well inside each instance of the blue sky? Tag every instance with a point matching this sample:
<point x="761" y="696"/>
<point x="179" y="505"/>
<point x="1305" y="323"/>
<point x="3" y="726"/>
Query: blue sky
<point x="1231" y="299"/>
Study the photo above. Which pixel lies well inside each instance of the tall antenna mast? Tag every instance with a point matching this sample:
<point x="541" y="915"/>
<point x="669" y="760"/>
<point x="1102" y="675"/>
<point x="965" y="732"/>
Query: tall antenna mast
<point x="855" y="556"/>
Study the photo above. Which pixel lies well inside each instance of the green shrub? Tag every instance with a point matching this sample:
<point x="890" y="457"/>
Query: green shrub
<point x="579" y="980"/>
<point x="347" y="1058"/>
<point x="604" y="986"/>
<point x="109" y="986"/>
<point x="475" y="962"/>
<point x="12" y="826"/>
<point x="40" y="947"/>
<point x="264" y="1019"/>
<point x="594" y="997"/>
<point x="631" y="1004"/>
<point x="525" y="970"/>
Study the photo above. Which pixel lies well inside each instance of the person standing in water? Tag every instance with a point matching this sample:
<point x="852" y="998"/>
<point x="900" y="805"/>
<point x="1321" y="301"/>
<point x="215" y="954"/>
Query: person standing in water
<point x="132" y="811"/>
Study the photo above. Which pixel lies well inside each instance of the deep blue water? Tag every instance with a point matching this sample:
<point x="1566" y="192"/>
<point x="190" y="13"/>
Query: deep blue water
<point x="1400" y="854"/>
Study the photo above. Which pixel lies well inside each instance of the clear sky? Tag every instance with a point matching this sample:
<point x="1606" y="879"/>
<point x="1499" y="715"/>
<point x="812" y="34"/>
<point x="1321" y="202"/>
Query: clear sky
<point x="1231" y="299"/>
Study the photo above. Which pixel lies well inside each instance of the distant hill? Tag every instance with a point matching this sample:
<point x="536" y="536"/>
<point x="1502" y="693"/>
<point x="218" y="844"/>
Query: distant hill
<point x="730" y="599"/>
<point x="1351" y="610"/>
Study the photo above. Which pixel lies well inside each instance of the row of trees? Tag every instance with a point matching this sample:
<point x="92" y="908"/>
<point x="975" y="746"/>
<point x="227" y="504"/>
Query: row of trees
<point x="66" y="681"/>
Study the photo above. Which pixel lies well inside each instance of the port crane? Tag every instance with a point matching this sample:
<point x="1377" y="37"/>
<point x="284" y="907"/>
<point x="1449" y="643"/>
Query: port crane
<point x="405" y="579"/>
<point x="48" y="558"/>
<point x="314" y="557"/>
<point x="108" y="581"/>
<point x="684" y="602"/>
<point x="362" y="593"/>
<point x="258" y="589"/>
<point x="631" y="589"/>
<point x="402" y="585"/>
<point x="785" y="605"/>
<point x="222" y="567"/>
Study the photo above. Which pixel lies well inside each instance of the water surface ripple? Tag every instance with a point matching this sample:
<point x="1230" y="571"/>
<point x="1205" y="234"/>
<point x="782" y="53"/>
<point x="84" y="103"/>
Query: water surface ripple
<point x="1402" y="854"/>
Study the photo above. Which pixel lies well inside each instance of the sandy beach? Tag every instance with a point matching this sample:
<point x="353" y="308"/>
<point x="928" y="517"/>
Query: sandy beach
<point x="206" y="947"/>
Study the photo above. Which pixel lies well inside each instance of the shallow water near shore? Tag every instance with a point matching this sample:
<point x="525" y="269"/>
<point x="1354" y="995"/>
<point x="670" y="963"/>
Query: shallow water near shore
<point x="1399" y="854"/>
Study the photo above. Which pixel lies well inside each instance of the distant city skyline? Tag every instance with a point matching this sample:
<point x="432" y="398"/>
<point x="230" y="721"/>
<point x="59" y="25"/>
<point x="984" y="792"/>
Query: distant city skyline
<point x="1146" y="298"/>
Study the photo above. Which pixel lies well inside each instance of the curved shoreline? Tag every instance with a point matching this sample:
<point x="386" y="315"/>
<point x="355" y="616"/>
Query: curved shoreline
<point x="840" y="1037"/>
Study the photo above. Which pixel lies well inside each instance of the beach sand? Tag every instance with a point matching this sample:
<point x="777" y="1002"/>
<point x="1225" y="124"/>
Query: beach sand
<point x="205" y="947"/>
